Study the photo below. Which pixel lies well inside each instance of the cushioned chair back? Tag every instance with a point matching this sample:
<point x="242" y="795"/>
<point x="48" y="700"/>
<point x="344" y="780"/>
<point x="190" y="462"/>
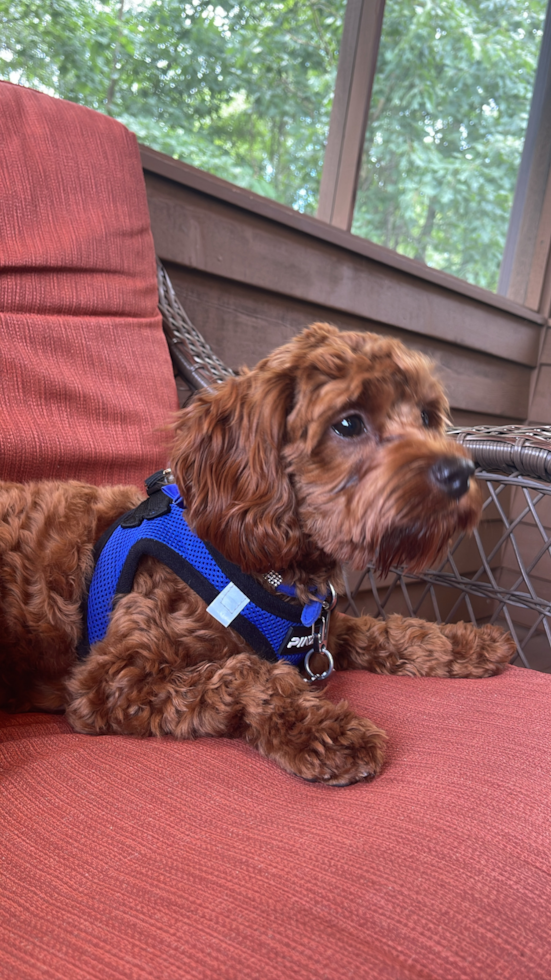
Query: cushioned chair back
<point x="87" y="385"/>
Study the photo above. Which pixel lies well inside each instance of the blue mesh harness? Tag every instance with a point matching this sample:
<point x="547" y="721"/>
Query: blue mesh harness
<point x="275" y="629"/>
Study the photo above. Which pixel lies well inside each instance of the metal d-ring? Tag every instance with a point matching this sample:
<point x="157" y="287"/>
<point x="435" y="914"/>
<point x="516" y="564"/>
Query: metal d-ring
<point x="330" y="603"/>
<point x="326" y="673"/>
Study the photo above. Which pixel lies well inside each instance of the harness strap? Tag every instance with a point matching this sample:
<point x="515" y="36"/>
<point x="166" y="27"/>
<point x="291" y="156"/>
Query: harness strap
<point x="157" y="527"/>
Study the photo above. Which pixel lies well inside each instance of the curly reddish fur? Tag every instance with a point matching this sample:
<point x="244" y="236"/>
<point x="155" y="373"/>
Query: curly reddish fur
<point x="267" y="481"/>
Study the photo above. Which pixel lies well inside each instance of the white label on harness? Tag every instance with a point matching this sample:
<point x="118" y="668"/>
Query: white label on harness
<point x="228" y="604"/>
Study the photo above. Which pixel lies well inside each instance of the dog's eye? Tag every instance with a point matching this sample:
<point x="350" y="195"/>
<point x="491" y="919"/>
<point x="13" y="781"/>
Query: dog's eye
<point x="425" y="418"/>
<point x="349" y="427"/>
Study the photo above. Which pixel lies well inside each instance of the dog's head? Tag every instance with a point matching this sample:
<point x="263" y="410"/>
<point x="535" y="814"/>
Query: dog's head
<point x="333" y="449"/>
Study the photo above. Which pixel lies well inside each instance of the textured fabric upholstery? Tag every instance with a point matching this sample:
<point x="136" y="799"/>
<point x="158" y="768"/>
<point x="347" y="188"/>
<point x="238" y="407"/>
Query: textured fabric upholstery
<point x="124" y="859"/>
<point x="86" y="378"/>
<point x="194" y="860"/>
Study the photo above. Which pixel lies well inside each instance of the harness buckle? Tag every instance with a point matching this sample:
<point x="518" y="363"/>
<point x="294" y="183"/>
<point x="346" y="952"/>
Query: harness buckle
<point x="320" y="632"/>
<point x="331" y="602"/>
<point x="158" y="480"/>
<point x="318" y="677"/>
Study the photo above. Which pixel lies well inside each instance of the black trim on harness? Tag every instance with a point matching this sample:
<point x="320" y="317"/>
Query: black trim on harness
<point x="154" y="506"/>
<point x="201" y="585"/>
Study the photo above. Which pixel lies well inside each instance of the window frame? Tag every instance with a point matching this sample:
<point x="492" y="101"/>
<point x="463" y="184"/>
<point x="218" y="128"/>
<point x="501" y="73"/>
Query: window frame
<point x="525" y="276"/>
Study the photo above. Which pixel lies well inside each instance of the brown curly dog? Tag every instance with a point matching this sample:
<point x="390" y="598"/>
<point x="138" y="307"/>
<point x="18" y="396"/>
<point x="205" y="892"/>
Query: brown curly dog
<point x="331" y="450"/>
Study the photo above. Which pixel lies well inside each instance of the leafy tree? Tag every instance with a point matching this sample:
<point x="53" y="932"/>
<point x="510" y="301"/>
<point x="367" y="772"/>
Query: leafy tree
<point x="449" y="112"/>
<point x="242" y="90"/>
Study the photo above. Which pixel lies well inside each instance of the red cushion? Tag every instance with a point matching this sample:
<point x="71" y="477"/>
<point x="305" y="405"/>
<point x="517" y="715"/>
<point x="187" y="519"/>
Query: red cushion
<point x="147" y="859"/>
<point x="86" y="376"/>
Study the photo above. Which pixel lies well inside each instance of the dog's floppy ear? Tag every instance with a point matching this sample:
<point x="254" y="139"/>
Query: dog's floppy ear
<point x="228" y="466"/>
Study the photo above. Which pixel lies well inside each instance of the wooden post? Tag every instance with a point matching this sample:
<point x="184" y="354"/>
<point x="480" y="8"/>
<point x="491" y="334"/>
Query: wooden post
<point x="357" y="62"/>
<point x="525" y="275"/>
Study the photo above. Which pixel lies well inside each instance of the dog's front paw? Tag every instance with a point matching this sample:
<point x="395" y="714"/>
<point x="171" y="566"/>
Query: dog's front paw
<point x="479" y="651"/>
<point x="336" y="747"/>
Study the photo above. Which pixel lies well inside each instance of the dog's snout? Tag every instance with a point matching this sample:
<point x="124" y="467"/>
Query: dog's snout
<point x="452" y="474"/>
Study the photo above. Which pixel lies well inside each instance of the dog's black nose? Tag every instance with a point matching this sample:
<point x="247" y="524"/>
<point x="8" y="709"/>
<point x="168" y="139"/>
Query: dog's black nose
<point x="452" y="475"/>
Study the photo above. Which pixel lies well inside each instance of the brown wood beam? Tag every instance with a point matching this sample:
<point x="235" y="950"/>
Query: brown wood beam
<point x="179" y="174"/>
<point x="252" y="273"/>
<point x="215" y="237"/>
<point x="357" y="62"/>
<point x="243" y="323"/>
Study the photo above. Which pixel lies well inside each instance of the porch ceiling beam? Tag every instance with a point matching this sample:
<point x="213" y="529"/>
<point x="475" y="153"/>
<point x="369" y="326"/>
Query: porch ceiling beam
<point x="357" y="62"/>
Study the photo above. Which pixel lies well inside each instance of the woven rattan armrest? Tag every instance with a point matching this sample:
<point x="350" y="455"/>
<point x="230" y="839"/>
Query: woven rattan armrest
<point x="193" y="359"/>
<point x="509" y="448"/>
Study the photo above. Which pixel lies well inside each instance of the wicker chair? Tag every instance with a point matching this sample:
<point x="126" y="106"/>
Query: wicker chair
<point x="500" y="575"/>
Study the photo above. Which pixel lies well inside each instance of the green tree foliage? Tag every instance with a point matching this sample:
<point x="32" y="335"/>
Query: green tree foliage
<point x="243" y="90"/>
<point x="449" y="112"/>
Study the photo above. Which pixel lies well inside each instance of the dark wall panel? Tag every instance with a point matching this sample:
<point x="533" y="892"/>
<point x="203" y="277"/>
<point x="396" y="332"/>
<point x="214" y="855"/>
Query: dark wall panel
<point x="251" y="274"/>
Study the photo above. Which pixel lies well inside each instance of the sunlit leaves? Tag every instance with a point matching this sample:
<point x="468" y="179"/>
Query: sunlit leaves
<point x="244" y="90"/>
<point x="241" y="89"/>
<point x="450" y="107"/>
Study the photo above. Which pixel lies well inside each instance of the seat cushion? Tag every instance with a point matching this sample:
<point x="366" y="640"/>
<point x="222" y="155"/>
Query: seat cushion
<point x="87" y="385"/>
<point x="196" y="860"/>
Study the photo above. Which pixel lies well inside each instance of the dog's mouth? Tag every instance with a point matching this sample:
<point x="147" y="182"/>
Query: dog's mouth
<point x="414" y="536"/>
<point x="414" y="547"/>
